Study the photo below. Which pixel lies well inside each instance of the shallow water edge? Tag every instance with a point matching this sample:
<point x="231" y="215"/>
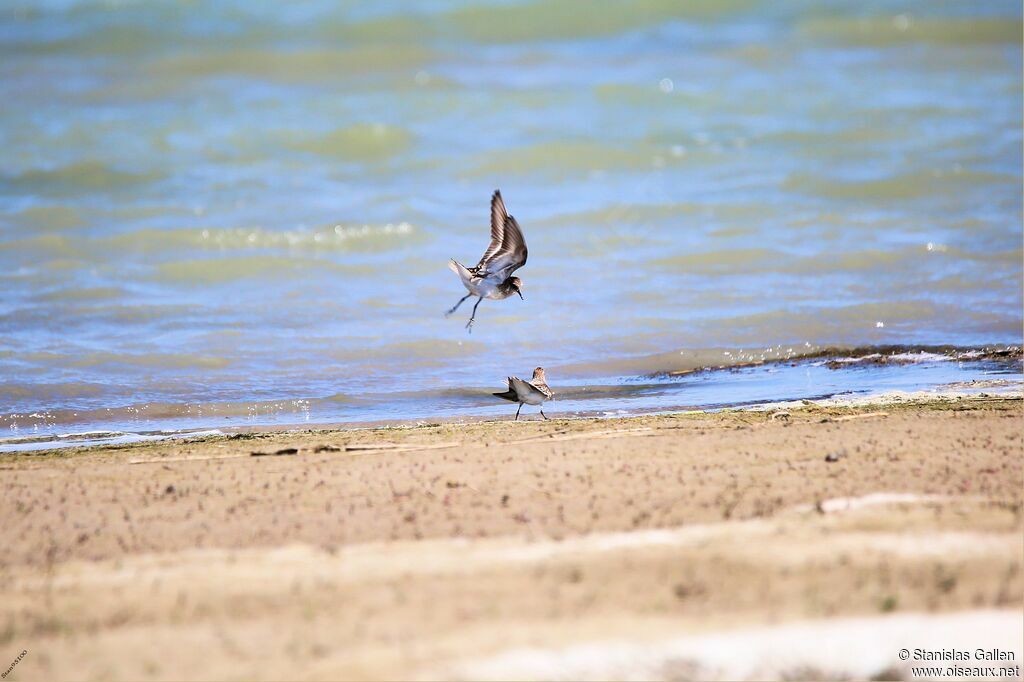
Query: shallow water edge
<point x="740" y="381"/>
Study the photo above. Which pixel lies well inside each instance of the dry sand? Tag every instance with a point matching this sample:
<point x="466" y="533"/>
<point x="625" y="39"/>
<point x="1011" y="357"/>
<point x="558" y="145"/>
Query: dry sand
<point x="689" y="545"/>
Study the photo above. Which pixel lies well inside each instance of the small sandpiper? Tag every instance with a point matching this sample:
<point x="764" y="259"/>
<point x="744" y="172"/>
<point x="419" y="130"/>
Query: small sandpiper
<point x="532" y="392"/>
<point x="492" y="276"/>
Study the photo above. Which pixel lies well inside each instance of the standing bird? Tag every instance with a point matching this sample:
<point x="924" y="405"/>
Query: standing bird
<point x="492" y="276"/>
<point x="532" y="392"/>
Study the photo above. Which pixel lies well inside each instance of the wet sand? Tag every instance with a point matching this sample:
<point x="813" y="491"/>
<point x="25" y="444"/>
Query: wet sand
<point x="507" y="549"/>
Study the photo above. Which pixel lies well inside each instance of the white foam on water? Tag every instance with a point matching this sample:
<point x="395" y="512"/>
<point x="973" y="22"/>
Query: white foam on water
<point x="921" y="356"/>
<point x="92" y="438"/>
<point x="1005" y="389"/>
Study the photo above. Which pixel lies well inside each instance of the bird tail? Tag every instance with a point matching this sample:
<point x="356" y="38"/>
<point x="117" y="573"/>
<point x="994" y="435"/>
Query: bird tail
<point x="510" y="394"/>
<point x="458" y="268"/>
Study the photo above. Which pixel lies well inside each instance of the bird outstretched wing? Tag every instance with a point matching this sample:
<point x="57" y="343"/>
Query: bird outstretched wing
<point x="498" y="217"/>
<point x="510" y="394"/>
<point x="507" y="251"/>
<point x="525" y="388"/>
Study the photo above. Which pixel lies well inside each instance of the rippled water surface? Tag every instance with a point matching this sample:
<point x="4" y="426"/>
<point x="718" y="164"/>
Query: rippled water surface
<point x="241" y="204"/>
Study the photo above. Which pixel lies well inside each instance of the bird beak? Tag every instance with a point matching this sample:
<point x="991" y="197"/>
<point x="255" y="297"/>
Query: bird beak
<point x="520" y="294"/>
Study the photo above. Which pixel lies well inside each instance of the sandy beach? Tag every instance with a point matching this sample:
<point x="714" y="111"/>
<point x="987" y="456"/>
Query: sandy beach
<point x="635" y="547"/>
<point x="269" y="268"/>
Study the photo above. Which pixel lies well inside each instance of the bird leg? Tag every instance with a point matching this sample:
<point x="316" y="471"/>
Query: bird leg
<point x="542" y="413"/>
<point x="457" y="305"/>
<point x="517" y="411"/>
<point x="469" y="325"/>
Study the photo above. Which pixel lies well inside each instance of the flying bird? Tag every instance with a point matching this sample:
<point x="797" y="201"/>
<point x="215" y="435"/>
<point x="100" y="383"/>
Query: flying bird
<point x="532" y="392"/>
<point x="492" y="276"/>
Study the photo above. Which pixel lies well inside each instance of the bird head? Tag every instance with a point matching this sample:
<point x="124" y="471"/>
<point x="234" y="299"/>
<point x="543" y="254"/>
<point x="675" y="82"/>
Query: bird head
<point x="517" y="286"/>
<point x="538" y="373"/>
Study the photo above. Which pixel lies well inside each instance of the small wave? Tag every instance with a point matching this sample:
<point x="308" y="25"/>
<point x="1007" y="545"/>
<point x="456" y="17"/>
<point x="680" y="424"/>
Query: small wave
<point x="724" y="261"/>
<point x="437" y="352"/>
<point x="648" y="214"/>
<point x="294" y="66"/>
<point x="684" y="362"/>
<point x="130" y="360"/>
<point x="882" y="31"/>
<point x="82" y="294"/>
<point x="19" y="391"/>
<point x="898" y="355"/>
<point x="538" y="20"/>
<point x="905" y="358"/>
<point x="687" y="361"/>
<point x="49" y="245"/>
<point x="92" y="438"/>
<point x="363" y="142"/>
<point x="134" y="415"/>
<point x="90" y="435"/>
<point x="556" y="157"/>
<point x="730" y="262"/>
<point x="337" y="237"/>
<point x="910" y="185"/>
<point x="198" y="272"/>
<point x="82" y="176"/>
<point x="50" y="217"/>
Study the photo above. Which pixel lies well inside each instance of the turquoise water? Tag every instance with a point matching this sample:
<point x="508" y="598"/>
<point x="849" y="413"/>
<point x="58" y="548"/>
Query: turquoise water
<point x="209" y="208"/>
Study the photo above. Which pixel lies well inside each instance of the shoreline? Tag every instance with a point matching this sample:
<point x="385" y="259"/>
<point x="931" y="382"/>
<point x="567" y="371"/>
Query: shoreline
<point x="444" y="551"/>
<point x="999" y="389"/>
<point x="744" y="381"/>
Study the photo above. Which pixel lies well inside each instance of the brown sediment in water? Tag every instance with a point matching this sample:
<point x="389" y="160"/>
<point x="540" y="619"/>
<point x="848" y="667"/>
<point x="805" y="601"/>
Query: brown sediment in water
<point x="392" y="553"/>
<point x="836" y="357"/>
<point x="902" y="355"/>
